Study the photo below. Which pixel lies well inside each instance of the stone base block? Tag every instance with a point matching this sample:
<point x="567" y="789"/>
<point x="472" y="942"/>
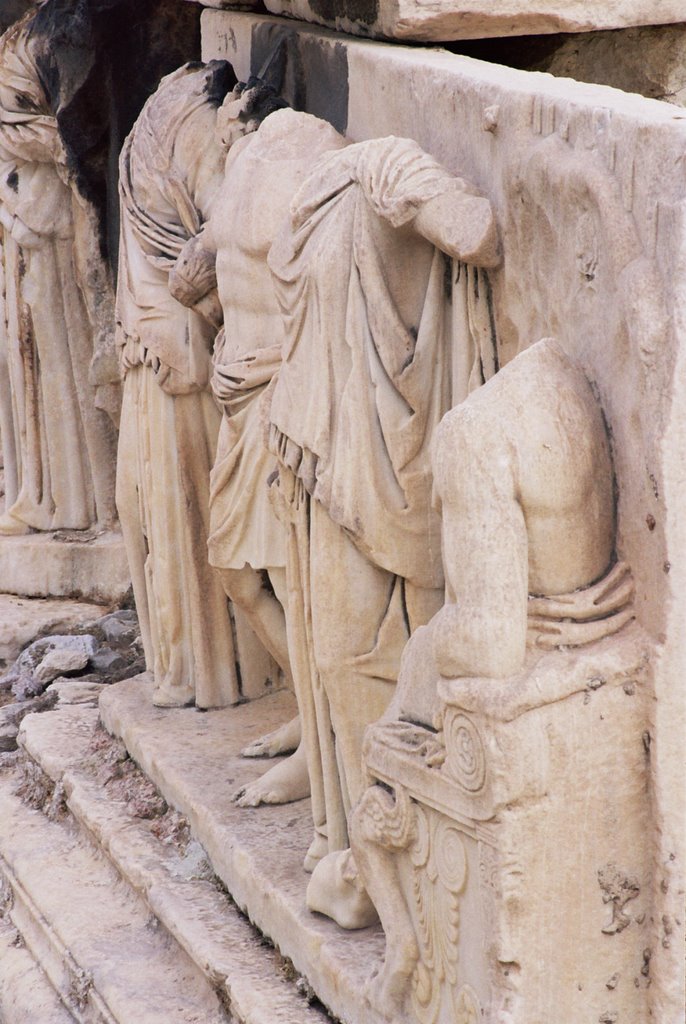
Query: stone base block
<point x="75" y="565"/>
<point x="258" y="853"/>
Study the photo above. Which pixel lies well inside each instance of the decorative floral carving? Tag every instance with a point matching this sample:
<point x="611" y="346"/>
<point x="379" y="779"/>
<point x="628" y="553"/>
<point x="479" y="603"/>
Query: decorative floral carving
<point x="439" y="863"/>
<point x="466" y="758"/>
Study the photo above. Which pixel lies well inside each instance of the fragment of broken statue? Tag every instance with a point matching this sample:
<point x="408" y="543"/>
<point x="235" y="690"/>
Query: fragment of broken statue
<point x="524" y="475"/>
<point x="58" y="448"/>
<point x="171" y="168"/>
<point x="371" y="276"/>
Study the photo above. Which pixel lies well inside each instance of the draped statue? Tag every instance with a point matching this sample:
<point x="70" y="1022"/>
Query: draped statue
<point x="171" y="167"/>
<point x="385" y="327"/>
<point x="58" y="446"/>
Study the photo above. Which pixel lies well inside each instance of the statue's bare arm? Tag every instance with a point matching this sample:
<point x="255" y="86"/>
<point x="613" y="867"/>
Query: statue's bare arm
<point x="462" y="225"/>
<point x="481" y="630"/>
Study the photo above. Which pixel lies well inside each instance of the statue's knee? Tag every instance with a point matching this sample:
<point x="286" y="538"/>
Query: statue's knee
<point x="242" y="586"/>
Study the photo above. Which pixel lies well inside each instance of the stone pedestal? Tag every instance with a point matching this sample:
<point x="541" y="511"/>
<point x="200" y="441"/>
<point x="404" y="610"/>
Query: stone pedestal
<point x="84" y="566"/>
<point x="523" y="866"/>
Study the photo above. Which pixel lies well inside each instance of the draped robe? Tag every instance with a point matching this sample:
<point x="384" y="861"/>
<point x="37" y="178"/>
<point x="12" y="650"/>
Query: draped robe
<point x="358" y="396"/>
<point x="169" y="418"/>
<point x="58" y="447"/>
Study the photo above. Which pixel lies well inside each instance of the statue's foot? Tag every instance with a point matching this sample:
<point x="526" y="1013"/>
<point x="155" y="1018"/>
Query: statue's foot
<point x="10" y="526"/>
<point x="165" y="697"/>
<point x="336" y="890"/>
<point x="282" y="784"/>
<point x="283" y="740"/>
<point x="319" y="847"/>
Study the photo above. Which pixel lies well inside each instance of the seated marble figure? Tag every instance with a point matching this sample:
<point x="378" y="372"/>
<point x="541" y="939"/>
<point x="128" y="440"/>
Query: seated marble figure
<point x="524" y="475"/>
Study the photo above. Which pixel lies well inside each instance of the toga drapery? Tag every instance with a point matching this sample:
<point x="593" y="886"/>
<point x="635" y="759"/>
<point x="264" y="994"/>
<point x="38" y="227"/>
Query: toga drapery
<point x="170" y="169"/>
<point x="360" y="391"/>
<point x="58" y="448"/>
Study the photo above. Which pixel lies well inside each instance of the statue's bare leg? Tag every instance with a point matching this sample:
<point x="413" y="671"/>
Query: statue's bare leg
<point x="253" y="591"/>
<point x="259" y="601"/>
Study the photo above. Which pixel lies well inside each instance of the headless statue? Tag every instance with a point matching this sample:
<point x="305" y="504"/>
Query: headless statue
<point x="364" y="277"/>
<point x="171" y="168"/>
<point x="58" y="446"/>
<point x="271" y="153"/>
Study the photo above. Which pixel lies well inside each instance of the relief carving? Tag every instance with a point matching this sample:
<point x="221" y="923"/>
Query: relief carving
<point x="512" y="591"/>
<point x="273" y="151"/>
<point x="465" y="756"/>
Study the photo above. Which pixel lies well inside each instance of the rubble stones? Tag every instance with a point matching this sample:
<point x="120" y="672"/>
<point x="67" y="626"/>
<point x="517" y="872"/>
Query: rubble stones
<point x="44" y="660"/>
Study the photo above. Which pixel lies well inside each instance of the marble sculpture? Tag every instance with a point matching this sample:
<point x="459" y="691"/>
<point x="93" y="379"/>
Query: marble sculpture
<point x="316" y="432"/>
<point x="58" y="446"/>
<point x="365" y="270"/>
<point x="171" y="168"/>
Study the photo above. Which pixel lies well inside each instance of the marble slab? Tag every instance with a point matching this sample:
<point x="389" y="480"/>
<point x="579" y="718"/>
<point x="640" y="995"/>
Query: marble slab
<point x="444" y="20"/>
<point x="78" y="565"/>
<point x="193" y="759"/>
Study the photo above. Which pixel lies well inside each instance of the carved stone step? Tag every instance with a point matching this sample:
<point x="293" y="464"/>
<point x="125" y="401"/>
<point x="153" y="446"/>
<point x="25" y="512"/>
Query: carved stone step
<point x="180" y="890"/>
<point x="258" y="853"/>
<point x="26" y="995"/>
<point x="95" y="939"/>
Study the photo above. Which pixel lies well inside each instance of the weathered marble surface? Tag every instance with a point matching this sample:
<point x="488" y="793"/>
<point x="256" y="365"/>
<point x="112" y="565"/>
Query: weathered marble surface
<point x="650" y="61"/>
<point x="22" y="620"/>
<point x="194" y="760"/>
<point x="171" y="168"/>
<point x="441" y="20"/>
<point x="499" y="671"/>
<point x="58" y="445"/>
<point x="158" y="868"/>
<point x="588" y="189"/>
<point x="79" y="565"/>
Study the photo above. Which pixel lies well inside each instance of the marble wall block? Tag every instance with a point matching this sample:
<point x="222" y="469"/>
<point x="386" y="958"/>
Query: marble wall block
<point x="442" y="20"/>
<point x="589" y="192"/>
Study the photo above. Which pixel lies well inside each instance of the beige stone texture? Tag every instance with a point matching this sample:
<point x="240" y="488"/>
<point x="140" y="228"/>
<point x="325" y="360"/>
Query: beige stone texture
<point x="589" y="195"/>
<point x="539" y="620"/>
<point x="360" y="272"/>
<point x="442" y="20"/>
<point x="162" y="873"/>
<point x="55" y="310"/>
<point x="80" y="566"/>
<point x="650" y="61"/>
<point x="170" y="170"/>
<point x="22" y="620"/>
<point x="26" y="995"/>
<point x="195" y="762"/>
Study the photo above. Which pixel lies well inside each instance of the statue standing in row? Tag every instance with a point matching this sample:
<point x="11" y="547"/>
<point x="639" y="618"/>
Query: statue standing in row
<point x="171" y="169"/>
<point x="58" y="446"/>
<point x="364" y="272"/>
